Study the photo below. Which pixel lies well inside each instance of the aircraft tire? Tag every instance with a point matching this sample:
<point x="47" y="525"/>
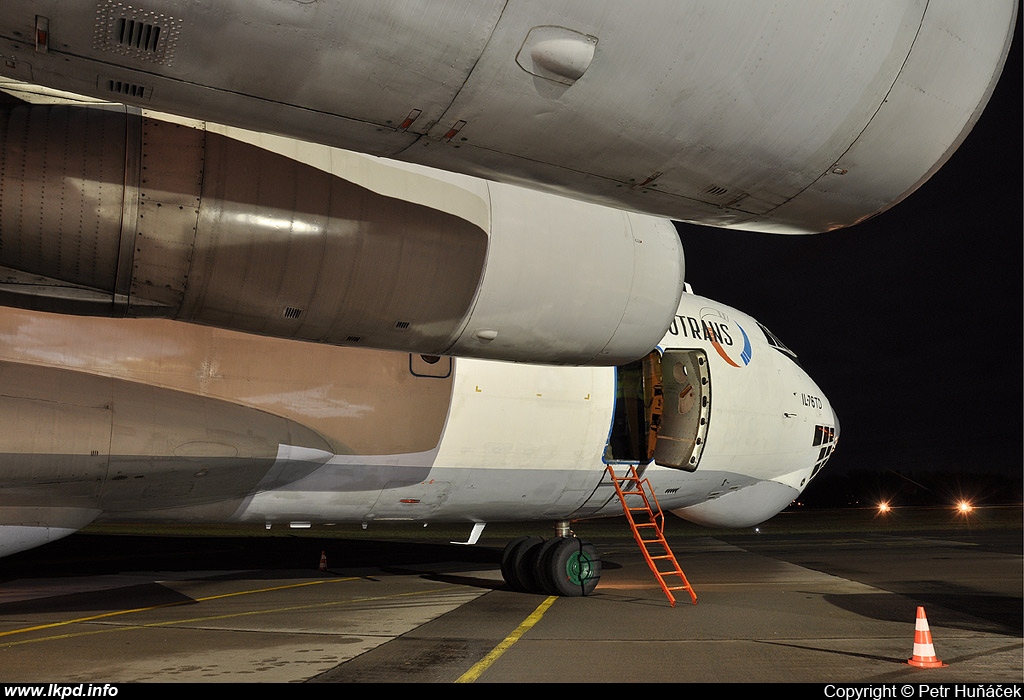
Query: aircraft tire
<point x="574" y="567"/>
<point x="542" y="566"/>
<point x="527" y="568"/>
<point x="512" y="561"/>
<point x="506" y="561"/>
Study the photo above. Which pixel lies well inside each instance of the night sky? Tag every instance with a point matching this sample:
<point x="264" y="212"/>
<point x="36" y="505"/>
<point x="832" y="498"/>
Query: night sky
<point x="910" y="322"/>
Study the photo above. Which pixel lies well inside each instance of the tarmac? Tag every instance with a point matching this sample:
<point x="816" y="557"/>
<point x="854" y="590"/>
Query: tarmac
<point x="827" y="597"/>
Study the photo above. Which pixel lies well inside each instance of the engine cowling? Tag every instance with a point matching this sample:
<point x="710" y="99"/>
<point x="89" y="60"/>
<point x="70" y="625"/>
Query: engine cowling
<point x="106" y="212"/>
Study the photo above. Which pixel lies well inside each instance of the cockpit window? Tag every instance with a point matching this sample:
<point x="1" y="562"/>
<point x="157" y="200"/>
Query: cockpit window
<point x="826" y="436"/>
<point x="774" y="341"/>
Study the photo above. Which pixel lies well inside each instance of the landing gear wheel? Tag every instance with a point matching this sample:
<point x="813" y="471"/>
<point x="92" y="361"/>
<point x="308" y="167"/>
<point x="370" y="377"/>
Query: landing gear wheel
<point x="545" y="574"/>
<point x="517" y="575"/>
<point x="528" y="567"/>
<point x="571" y="567"/>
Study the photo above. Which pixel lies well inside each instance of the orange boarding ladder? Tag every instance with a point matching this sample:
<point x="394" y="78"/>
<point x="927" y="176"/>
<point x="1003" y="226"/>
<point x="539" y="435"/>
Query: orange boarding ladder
<point x="647" y="522"/>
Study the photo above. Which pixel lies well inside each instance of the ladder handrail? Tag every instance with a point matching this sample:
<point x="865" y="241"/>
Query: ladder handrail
<point x="657" y="521"/>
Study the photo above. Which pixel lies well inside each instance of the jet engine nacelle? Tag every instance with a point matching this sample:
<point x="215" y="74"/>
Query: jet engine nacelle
<point x="106" y="212"/>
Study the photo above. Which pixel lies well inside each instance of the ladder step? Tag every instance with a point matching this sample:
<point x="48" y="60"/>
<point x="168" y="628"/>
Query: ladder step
<point x="642" y="487"/>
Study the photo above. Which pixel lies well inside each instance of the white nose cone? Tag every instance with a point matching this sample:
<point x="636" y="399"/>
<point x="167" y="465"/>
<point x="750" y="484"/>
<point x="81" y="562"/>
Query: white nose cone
<point x="743" y="508"/>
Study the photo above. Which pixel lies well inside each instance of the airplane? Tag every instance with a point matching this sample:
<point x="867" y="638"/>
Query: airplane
<point x="223" y="304"/>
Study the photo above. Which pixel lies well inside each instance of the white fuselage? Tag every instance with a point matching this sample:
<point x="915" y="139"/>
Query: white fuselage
<point x="531" y="442"/>
<point x="162" y="421"/>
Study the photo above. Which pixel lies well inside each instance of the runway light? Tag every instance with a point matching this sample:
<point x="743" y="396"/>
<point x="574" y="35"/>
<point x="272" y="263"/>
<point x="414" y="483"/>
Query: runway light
<point x="964" y="507"/>
<point x="884" y="507"/>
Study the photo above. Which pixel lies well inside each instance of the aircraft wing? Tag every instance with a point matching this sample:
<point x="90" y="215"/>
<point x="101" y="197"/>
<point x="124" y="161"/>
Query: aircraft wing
<point x="783" y="116"/>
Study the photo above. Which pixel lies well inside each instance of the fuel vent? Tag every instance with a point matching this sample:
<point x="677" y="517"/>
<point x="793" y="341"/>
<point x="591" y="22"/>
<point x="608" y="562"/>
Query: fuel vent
<point x="125" y="88"/>
<point x="130" y="31"/>
<point x="142" y="36"/>
<point x="723" y="196"/>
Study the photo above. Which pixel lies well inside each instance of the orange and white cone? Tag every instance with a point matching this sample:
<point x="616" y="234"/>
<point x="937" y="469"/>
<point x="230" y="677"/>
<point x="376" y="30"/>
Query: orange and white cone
<point x="924" y="652"/>
<point x="323" y="561"/>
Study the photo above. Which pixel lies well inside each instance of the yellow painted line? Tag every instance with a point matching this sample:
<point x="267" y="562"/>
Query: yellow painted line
<point x="208" y="618"/>
<point x="190" y="601"/>
<point x="472" y="674"/>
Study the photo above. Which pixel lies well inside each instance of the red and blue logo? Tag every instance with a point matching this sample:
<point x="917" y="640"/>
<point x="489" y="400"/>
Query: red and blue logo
<point x="715" y="327"/>
<point x="721" y="340"/>
<point x="745" y="353"/>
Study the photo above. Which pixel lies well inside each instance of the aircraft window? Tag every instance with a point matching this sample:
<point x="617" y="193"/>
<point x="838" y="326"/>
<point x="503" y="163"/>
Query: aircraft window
<point x="774" y="341"/>
<point x="825" y="436"/>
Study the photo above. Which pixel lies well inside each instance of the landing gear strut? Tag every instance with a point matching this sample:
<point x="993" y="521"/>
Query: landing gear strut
<point x="563" y="565"/>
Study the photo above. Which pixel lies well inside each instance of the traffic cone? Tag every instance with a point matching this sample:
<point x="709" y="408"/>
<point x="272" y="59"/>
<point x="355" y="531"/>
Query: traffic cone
<point x="323" y="561"/>
<point x="924" y="652"/>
